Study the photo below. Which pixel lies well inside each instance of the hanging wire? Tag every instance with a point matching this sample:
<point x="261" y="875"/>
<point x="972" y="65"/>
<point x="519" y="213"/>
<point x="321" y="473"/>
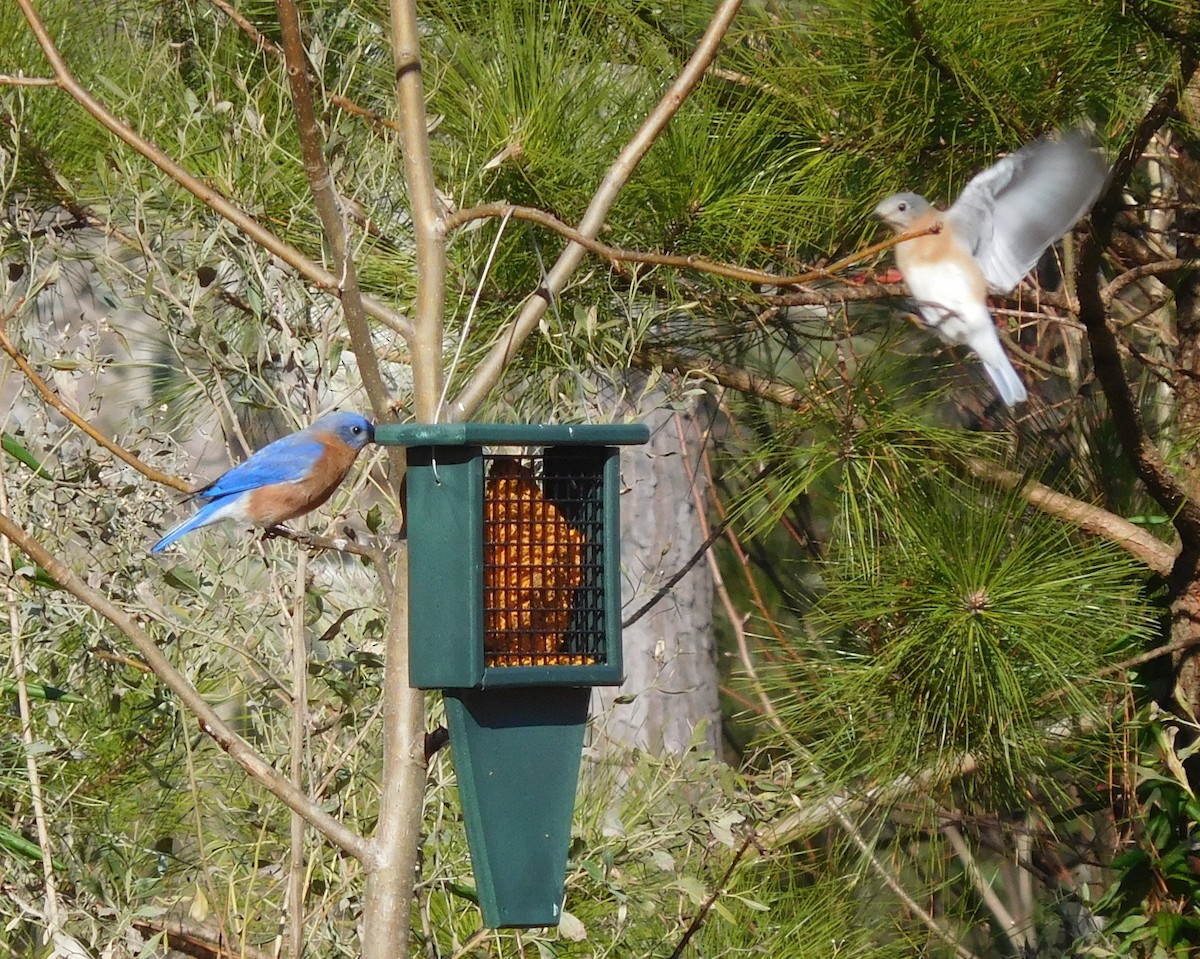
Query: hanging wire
<point x="462" y="339"/>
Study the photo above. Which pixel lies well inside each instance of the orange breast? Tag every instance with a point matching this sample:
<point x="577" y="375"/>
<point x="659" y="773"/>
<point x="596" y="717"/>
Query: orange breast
<point x="934" y="250"/>
<point x="280" y="502"/>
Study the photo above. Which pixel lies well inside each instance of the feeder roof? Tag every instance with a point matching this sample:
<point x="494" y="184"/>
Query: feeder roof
<point x="511" y="434"/>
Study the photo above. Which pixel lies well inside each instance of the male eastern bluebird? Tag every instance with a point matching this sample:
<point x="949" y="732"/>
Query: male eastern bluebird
<point x="284" y="479"/>
<point x="990" y="238"/>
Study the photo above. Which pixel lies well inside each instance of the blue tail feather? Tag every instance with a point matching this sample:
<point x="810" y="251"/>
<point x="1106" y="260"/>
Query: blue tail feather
<point x="205" y="515"/>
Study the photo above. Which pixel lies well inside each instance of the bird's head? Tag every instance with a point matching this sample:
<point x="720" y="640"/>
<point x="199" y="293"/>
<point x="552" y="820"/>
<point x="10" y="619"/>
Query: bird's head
<point x="353" y="429"/>
<point x="900" y="210"/>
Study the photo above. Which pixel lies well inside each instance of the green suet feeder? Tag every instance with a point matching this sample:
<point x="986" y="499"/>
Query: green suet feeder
<point x="514" y="613"/>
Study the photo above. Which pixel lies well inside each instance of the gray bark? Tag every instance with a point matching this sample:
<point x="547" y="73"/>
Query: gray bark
<point x="669" y="700"/>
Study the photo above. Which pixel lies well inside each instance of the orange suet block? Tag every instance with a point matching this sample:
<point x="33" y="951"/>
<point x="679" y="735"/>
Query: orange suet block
<point x="533" y="563"/>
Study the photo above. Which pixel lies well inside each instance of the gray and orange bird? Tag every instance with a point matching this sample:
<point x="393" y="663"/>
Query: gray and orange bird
<point x="992" y="235"/>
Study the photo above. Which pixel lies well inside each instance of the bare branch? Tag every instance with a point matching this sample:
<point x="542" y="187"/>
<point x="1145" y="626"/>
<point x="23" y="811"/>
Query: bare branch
<point x="52" y="400"/>
<point x="1008" y="925"/>
<point x="299" y="749"/>
<point x="318" y="275"/>
<point x="210" y="722"/>
<point x="1139" y="542"/>
<point x="430" y="236"/>
<point x="204" y="940"/>
<point x="699" y="264"/>
<point x="329" y="210"/>
<point x="393" y="850"/>
<point x="336" y="544"/>
<point x="248" y="28"/>
<point x="53" y="908"/>
<point x="1118" y="283"/>
<point x="890" y="880"/>
<point x="1139" y="448"/>
<point x="8" y="80"/>
<point x="491" y="369"/>
<point x="733" y="377"/>
<point x="706" y="907"/>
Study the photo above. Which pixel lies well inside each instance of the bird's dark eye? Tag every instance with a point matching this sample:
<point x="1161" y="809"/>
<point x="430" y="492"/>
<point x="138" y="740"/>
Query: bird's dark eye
<point x="902" y="207"/>
<point x="356" y="430"/>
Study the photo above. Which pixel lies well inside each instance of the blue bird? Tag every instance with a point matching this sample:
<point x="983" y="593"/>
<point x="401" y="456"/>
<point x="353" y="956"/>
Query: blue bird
<point x="283" y="480"/>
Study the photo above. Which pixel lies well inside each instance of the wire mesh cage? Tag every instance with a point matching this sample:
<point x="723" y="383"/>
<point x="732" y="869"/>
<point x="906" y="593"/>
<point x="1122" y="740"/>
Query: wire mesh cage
<point x="514" y="566"/>
<point x="543" y="560"/>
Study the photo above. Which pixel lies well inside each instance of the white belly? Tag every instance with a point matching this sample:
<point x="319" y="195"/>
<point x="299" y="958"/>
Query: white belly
<point x="949" y="301"/>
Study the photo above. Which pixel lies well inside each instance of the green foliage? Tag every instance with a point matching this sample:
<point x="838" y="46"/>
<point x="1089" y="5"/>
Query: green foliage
<point x="958" y="621"/>
<point x="1153" y="900"/>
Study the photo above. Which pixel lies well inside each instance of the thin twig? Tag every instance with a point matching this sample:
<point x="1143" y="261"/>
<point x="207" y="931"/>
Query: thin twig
<point x="470" y="944"/>
<point x="670" y="584"/>
<point x="733" y="377"/>
<point x="1004" y="918"/>
<point x="491" y="368"/>
<point x="265" y="43"/>
<point x="261" y="41"/>
<point x="299" y="749"/>
<point x="699" y="264"/>
<point x="1158" y="652"/>
<point x="8" y="80"/>
<point x="52" y="399"/>
<point x="706" y="907"/>
<point x="336" y="544"/>
<point x="466" y="325"/>
<point x="1118" y="283"/>
<point x="53" y="909"/>
<point x="351" y="107"/>
<point x="210" y="721"/>
<point x="263" y="237"/>
<point x="901" y="893"/>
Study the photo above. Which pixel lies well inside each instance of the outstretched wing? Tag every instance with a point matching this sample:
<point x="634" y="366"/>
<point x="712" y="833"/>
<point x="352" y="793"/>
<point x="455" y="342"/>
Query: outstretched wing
<point x="1011" y="212"/>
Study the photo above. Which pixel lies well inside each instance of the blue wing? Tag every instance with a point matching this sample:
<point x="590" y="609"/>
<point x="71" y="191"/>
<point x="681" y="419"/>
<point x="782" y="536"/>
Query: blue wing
<point x="287" y="460"/>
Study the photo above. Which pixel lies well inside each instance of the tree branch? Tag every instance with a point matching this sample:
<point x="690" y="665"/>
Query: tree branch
<point x="1135" y="540"/>
<point x="299" y="749"/>
<point x="318" y="275"/>
<point x="699" y="264"/>
<point x="210" y="722"/>
<point x="52" y="400"/>
<point x="325" y="197"/>
<point x="8" y="80"/>
<point x="1004" y="919"/>
<point x="488" y="373"/>
<point x="54" y="915"/>
<point x="1140" y="449"/>
<point x="1140" y="543"/>
<point x="394" y="847"/>
<point x="430" y="236"/>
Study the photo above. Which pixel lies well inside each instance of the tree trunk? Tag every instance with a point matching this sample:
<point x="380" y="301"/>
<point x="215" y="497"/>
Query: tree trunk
<point x="669" y="700"/>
